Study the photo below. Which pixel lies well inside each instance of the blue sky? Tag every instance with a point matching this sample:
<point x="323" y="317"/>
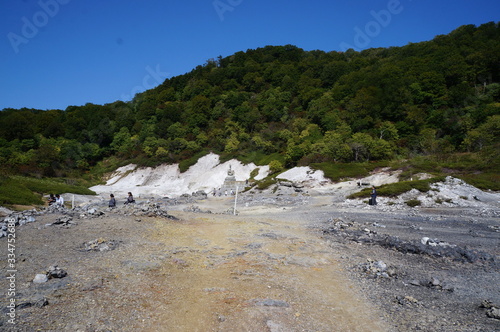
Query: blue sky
<point x="57" y="53"/>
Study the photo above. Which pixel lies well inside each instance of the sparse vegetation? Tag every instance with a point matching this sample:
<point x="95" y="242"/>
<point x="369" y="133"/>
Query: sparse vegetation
<point x="266" y="183"/>
<point x="413" y="202"/>
<point x="29" y="191"/>
<point x="398" y="188"/>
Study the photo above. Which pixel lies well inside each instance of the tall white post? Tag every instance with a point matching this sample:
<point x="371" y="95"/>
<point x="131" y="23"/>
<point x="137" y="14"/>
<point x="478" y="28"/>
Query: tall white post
<point x="235" y="200"/>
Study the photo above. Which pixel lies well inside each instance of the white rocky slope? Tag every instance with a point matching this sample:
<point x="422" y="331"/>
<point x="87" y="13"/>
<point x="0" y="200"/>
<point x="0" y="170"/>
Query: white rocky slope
<point x="167" y="180"/>
<point x="208" y="173"/>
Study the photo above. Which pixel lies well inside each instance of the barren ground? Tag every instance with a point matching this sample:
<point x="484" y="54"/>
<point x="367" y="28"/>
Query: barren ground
<point x="272" y="268"/>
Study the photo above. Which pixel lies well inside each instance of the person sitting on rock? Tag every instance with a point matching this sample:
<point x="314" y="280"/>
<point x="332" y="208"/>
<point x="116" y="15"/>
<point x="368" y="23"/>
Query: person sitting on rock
<point x="112" y="201"/>
<point x="52" y="199"/>
<point x="59" y="200"/>
<point x="130" y="198"/>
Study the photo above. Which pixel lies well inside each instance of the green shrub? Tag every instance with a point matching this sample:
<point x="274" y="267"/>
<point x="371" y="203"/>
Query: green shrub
<point x="266" y="183"/>
<point x="275" y="166"/>
<point x="413" y="202"/>
<point x="254" y="173"/>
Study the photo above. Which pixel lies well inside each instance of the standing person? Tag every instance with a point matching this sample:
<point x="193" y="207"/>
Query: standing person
<point x="112" y="201"/>
<point x="130" y="198"/>
<point x="374" y="196"/>
<point x="59" y="200"/>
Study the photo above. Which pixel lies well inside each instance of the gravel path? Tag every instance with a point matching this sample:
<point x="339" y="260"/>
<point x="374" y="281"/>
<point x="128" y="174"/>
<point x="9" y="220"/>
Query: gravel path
<point x="288" y="263"/>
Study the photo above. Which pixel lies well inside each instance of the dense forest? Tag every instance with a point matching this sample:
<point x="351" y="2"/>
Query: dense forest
<point x="293" y="106"/>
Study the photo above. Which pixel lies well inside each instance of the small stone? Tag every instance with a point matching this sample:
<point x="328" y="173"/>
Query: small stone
<point x="435" y="282"/>
<point x="380" y="265"/>
<point x="411" y="299"/>
<point x="493" y="313"/>
<point x="56" y="272"/>
<point x="272" y="303"/>
<point x="40" y="278"/>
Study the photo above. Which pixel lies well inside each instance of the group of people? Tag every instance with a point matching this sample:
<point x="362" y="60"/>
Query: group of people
<point x="218" y="192"/>
<point x="56" y="200"/>
<point x="59" y="200"/>
<point x="112" y="200"/>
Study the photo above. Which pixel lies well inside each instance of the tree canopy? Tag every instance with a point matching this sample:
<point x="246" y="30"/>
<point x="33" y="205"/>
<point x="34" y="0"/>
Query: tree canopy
<point x="437" y="96"/>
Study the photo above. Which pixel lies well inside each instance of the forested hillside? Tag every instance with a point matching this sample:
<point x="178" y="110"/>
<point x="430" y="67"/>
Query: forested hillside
<point x="286" y="104"/>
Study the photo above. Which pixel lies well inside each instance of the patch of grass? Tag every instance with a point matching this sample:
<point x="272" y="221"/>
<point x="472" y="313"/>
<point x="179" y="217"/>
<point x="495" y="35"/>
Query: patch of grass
<point x="339" y="171"/>
<point x="45" y="186"/>
<point x="266" y="183"/>
<point x="29" y="191"/>
<point x="483" y="181"/>
<point x="481" y="170"/>
<point x="398" y="188"/>
<point x="413" y="202"/>
<point x="12" y="192"/>
<point x="254" y="173"/>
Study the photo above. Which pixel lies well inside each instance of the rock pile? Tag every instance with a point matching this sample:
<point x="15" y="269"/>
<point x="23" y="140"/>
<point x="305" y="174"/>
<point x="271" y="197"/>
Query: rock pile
<point x="100" y="244"/>
<point x="18" y="219"/>
<point x="195" y="209"/>
<point x="89" y="211"/>
<point x="492" y="310"/>
<point x="378" y="269"/>
<point x="53" y="271"/>
<point x="66" y="221"/>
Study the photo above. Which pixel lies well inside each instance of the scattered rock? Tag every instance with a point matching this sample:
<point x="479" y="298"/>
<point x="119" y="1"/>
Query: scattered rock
<point x="406" y="300"/>
<point x="40" y="278"/>
<point x="435" y="242"/>
<point x="100" y="244"/>
<point x="56" y="272"/>
<point x="492" y="310"/>
<point x="195" y="209"/>
<point x="270" y="303"/>
<point x="37" y="302"/>
<point x="493" y="313"/>
<point x="378" y="269"/>
<point x="64" y="221"/>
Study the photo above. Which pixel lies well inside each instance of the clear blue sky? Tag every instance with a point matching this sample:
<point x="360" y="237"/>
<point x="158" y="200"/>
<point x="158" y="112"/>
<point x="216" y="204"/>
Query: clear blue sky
<point x="57" y="53"/>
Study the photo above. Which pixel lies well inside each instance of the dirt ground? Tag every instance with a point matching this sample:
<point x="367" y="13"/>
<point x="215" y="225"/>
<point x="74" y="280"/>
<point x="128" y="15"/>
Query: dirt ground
<point x="282" y="267"/>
